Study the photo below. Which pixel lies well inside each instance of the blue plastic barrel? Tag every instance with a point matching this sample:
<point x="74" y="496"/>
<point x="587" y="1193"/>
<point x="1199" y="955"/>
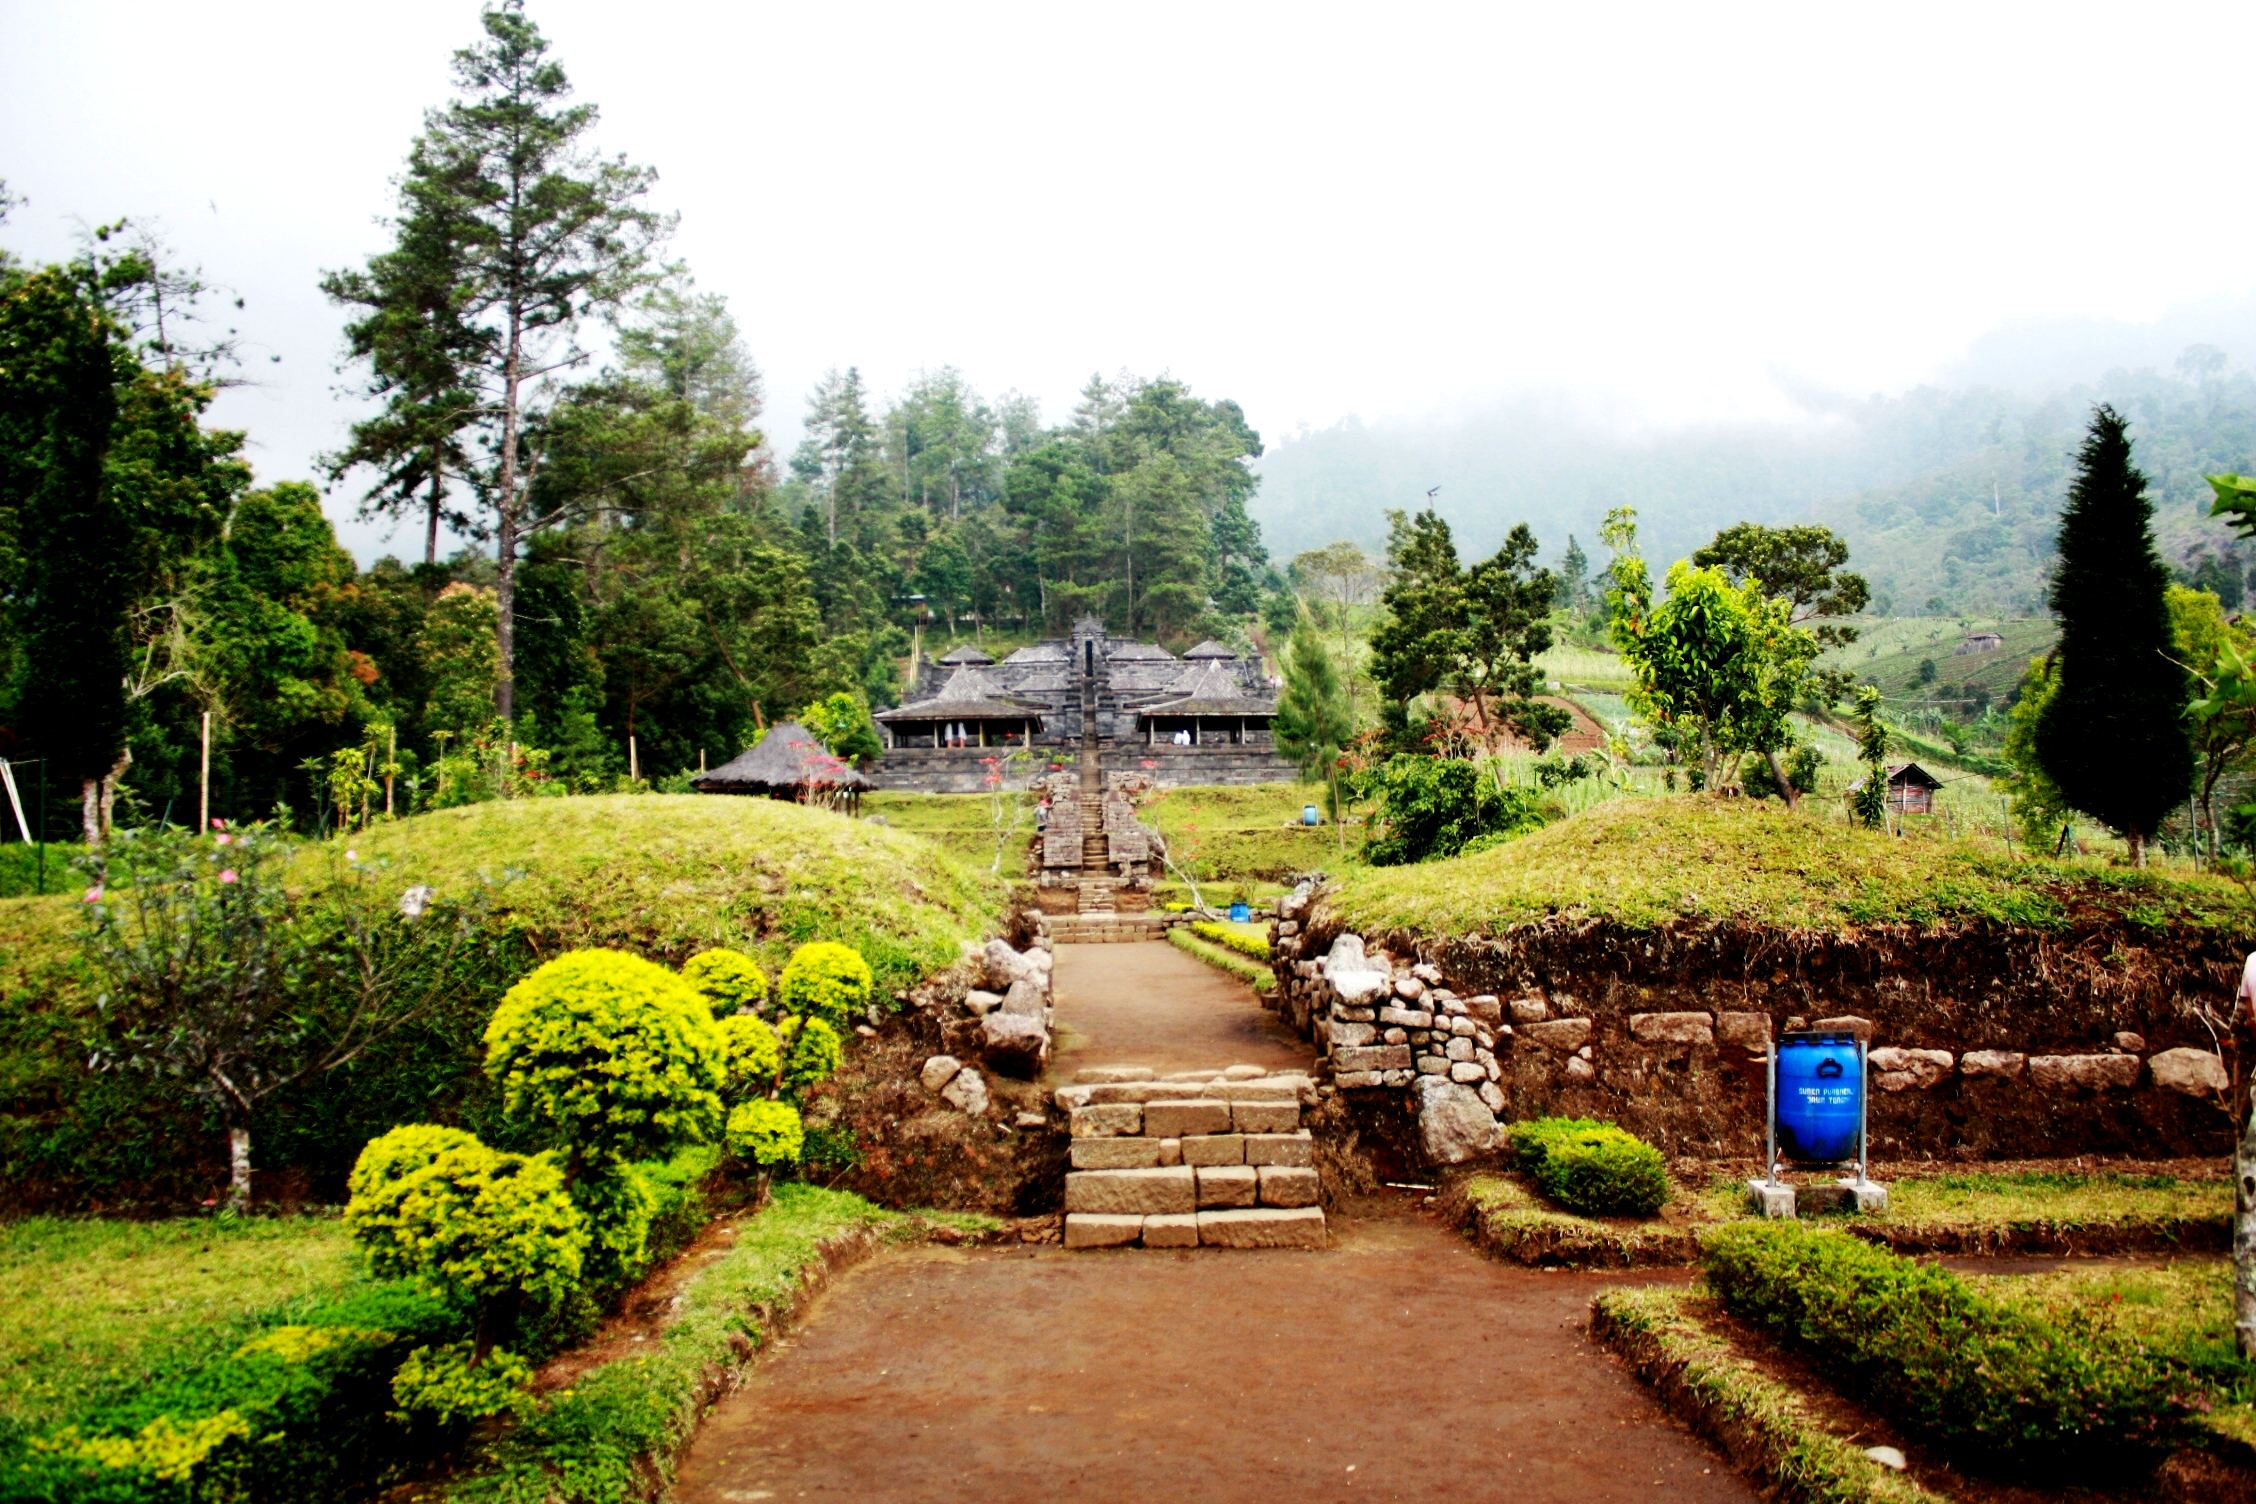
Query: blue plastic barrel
<point x="1241" y="912"/>
<point x="1310" y="815"/>
<point x="1820" y="1097"/>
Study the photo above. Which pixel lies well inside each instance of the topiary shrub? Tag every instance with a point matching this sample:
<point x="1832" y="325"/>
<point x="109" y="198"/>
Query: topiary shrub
<point x="768" y="1133"/>
<point x="452" y="1386"/>
<point x="1592" y="1168"/>
<point x="825" y="980"/>
<point x="607" y="1056"/>
<point x="730" y="981"/>
<point x="750" y="1056"/>
<point x="2003" y="1389"/>
<point x="812" y="1052"/>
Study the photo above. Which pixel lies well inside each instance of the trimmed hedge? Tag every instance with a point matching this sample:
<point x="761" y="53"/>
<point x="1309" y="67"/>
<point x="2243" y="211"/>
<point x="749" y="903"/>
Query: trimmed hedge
<point x="1252" y="973"/>
<point x="1244" y="944"/>
<point x="2000" y="1388"/>
<point x="1593" y="1168"/>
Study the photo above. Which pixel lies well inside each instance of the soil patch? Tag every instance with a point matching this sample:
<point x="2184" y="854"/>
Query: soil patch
<point x="1399" y="1365"/>
<point x="1146" y="1003"/>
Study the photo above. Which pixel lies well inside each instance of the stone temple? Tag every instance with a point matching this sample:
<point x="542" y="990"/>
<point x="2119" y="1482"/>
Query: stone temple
<point x="1104" y="703"/>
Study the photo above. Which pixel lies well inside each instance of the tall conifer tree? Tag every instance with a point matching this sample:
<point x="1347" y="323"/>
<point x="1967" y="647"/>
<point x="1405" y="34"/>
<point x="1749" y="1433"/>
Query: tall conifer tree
<point x="2114" y="736"/>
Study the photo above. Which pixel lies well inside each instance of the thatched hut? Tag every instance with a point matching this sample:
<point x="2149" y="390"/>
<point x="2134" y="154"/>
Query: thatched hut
<point x="789" y="764"/>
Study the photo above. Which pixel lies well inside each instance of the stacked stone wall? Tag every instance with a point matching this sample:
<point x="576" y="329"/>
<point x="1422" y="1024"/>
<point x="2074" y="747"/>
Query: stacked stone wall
<point x="1986" y="1045"/>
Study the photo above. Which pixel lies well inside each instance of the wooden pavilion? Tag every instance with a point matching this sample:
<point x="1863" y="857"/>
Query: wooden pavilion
<point x="1211" y="704"/>
<point x="789" y="763"/>
<point x="970" y="710"/>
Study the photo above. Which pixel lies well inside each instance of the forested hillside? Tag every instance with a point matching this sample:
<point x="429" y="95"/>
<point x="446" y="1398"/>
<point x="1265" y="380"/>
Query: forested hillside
<point x="1949" y="499"/>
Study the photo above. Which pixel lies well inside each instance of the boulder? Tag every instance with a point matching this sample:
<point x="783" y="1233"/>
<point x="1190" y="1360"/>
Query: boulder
<point x="1749" y="1031"/>
<point x="1563" y="1034"/>
<point x="1846" y="1023"/>
<point x="2130" y="1043"/>
<point x="1004" y="965"/>
<point x="1486" y="1008"/>
<point x="1530" y="1010"/>
<point x="1454" y="1124"/>
<point x="1579" y="1069"/>
<point x="967" y="1092"/>
<point x="1014" y="1043"/>
<point x="2197" y="1073"/>
<point x="980" y="1002"/>
<point x="2005" y="1065"/>
<point x="1672" y="1028"/>
<point x="2084" y="1072"/>
<point x="1347" y="954"/>
<point x="1909" y="1070"/>
<point x="1027" y="997"/>
<point x="939" y="1071"/>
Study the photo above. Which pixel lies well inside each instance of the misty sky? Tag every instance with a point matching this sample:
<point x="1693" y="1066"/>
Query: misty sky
<point x="1317" y="210"/>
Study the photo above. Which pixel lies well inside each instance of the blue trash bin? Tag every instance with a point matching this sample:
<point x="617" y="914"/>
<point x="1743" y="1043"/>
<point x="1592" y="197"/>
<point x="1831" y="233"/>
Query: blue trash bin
<point x="1820" y="1097"/>
<point x="1240" y="912"/>
<point x="1310" y="815"/>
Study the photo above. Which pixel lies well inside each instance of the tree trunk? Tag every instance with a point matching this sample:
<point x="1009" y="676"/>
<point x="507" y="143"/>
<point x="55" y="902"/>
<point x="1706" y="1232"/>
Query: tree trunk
<point x="2244" y="1235"/>
<point x="505" y="551"/>
<point x="238" y="1167"/>
<point x="110" y="788"/>
<point x="1785" y="789"/>
<point x="2137" y="842"/>
<point x="431" y="530"/>
<point x="90" y="812"/>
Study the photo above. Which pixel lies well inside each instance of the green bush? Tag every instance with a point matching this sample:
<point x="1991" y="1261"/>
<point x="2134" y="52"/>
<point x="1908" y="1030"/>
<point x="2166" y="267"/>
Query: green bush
<point x="2003" y="1389"/>
<point x="1244" y="944"/>
<point x="1592" y="1168"/>
<point x="472" y="1225"/>
<point x="607" y="1056"/>
<point x="767" y="1133"/>
<point x="1432" y="807"/>
<point x="730" y="981"/>
<point x="750" y="1054"/>
<point x="812" y="1053"/>
<point x="825" y="980"/>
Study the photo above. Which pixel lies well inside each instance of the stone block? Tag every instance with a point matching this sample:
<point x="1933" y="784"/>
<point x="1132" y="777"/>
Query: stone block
<point x="1396" y="1036"/>
<point x="1172" y="1230"/>
<point x="1463" y="1027"/>
<point x="2130" y="1043"/>
<point x="1112" y="1073"/>
<point x="1214" y="1149"/>
<point x="1137" y="1191"/>
<point x="1181" y="1119"/>
<point x="1672" y="1028"/>
<point x="1492" y="1096"/>
<point x="1201" y="1076"/>
<point x="966" y="1091"/>
<point x="2084" y="1072"/>
<point x="1486" y="1008"/>
<point x="1773" y="1201"/>
<point x="1565" y="1035"/>
<point x="1468" y="1071"/>
<point x="1015" y="1044"/>
<point x="1896" y="1069"/>
<point x="1265" y="1117"/>
<point x="1115" y="1153"/>
<point x="1350" y="1035"/>
<point x="1357" y="1080"/>
<point x="2006" y="1065"/>
<point x="1382" y="1057"/>
<point x="1749" y="1031"/>
<point x="939" y="1071"/>
<point x="1267" y="1089"/>
<point x="1406" y="1018"/>
<point x="1529" y="1010"/>
<point x="1846" y="1023"/>
<point x="1357" y="988"/>
<point x="2197" y="1073"/>
<point x="1454" y="1124"/>
<point x="1296" y="1149"/>
<point x="1108" y="1120"/>
<point x="1287" y="1185"/>
<point x="1170" y="1151"/>
<point x="1101" y="1229"/>
<point x="1228" y="1185"/>
<point x="1356" y="1015"/>
<point x="1579" y="1069"/>
<point x="1263" y="1227"/>
<point x="1243" y="1073"/>
<point x="1409" y="989"/>
<point x="981" y="1002"/>
<point x="1432" y="1065"/>
<point x="1458" y="1049"/>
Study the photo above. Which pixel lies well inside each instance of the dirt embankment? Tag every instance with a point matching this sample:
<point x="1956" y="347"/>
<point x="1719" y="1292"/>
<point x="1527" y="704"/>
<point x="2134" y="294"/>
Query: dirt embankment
<point x="2105" y="994"/>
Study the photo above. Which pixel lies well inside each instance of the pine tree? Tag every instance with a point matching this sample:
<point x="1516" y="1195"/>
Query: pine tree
<point x="1313" y="722"/>
<point x="2114" y="736"/>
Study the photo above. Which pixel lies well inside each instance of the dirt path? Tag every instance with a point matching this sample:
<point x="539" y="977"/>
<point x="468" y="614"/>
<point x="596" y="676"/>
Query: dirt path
<point x="1149" y="1004"/>
<point x="1400" y="1366"/>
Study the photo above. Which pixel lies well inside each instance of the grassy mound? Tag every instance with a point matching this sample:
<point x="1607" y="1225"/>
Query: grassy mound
<point x="663" y="877"/>
<point x="1644" y="863"/>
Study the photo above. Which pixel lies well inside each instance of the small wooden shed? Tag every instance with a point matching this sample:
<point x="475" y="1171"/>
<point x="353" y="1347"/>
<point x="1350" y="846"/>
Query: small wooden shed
<point x="1911" y="789"/>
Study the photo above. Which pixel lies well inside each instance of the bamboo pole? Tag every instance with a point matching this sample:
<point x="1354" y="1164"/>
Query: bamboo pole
<point x="203" y="783"/>
<point x="634" y="761"/>
<point x="391" y="761"/>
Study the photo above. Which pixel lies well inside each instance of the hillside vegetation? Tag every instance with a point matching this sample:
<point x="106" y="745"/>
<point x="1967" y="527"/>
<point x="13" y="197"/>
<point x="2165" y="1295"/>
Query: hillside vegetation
<point x="660" y="876"/>
<point x="1644" y="863"/>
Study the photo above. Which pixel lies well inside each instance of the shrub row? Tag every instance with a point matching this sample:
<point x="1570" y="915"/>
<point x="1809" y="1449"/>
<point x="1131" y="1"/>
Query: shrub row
<point x="1256" y="946"/>
<point x="2001" y="1388"/>
<point x="1590" y="1167"/>
<point x="1252" y="973"/>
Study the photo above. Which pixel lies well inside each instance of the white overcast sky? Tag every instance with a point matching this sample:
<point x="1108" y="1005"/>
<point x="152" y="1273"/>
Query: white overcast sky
<point x="1385" y="210"/>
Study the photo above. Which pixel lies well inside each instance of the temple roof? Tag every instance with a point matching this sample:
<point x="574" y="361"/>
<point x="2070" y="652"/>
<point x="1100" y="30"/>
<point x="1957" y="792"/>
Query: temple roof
<point x="1133" y="650"/>
<point x="963" y="654"/>
<point x="971" y="694"/>
<point x="1040" y="652"/>
<point x="1210" y="649"/>
<point x="1210" y="689"/>
<point x="788" y="757"/>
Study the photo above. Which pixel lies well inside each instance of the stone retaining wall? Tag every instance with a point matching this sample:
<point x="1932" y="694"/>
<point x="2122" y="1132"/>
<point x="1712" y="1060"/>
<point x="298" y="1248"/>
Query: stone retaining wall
<point x="1982" y="1047"/>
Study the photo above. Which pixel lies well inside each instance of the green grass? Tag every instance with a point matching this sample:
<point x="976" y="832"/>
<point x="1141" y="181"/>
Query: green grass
<point x="1251" y="972"/>
<point x="1249" y="834"/>
<point x="1888" y="653"/>
<point x="962" y="824"/>
<point x="1584" y="668"/>
<point x="1769" y="1430"/>
<point x="1645" y="862"/>
<point x="602" y="1440"/>
<point x="1513" y="1222"/>
<point x="2181" y="1312"/>
<point x="88" y="1306"/>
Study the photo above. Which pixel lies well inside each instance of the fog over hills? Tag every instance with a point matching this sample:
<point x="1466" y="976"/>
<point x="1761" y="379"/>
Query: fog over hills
<point x="1947" y="493"/>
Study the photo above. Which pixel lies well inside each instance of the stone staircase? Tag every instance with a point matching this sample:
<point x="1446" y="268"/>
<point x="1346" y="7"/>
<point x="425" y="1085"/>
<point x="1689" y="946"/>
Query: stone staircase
<point x="1194" y="1159"/>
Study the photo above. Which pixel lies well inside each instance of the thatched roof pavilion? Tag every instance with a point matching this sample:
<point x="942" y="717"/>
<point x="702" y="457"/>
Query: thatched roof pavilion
<point x="788" y="764"/>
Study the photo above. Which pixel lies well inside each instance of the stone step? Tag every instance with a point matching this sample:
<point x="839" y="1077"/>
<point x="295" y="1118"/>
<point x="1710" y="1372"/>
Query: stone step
<point x="1220" y="1227"/>
<point x="1173" y="1189"/>
<point x="1294" y="1150"/>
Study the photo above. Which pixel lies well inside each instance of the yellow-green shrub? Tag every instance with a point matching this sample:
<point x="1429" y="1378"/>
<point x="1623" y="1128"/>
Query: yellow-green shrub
<point x="607" y="1056"/>
<point x="449" y="1385"/>
<point x="766" y="1132"/>
<point x="812" y="1050"/>
<point x="825" y="980"/>
<point x="730" y="981"/>
<point x="472" y="1225"/>
<point x="750" y="1053"/>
